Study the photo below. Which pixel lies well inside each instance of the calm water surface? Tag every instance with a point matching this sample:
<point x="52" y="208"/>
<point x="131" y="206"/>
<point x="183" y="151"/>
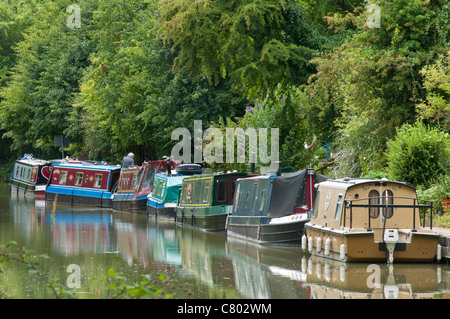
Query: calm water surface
<point x="211" y="265"/>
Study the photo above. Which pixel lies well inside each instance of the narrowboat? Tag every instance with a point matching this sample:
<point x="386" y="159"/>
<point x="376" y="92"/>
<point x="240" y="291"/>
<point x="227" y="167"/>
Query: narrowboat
<point x="135" y="184"/>
<point x="30" y="176"/>
<point x="163" y="199"/>
<point x="273" y="209"/>
<point x="82" y="183"/>
<point x="363" y="220"/>
<point x="206" y="200"/>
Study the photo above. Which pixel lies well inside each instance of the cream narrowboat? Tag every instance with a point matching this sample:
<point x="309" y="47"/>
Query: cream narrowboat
<point x="360" y="220"/>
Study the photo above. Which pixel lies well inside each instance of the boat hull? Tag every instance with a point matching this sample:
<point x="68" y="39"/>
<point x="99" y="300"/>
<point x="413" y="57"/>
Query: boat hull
<point x="27" y="189"/>
<point x="165" y="213"/>
<point x="260" y="230"/>
<point x="76" y="198"/>
<point x="209" y="218"/>
<point x="137" y="206"/>
<point x="361" y="246"/>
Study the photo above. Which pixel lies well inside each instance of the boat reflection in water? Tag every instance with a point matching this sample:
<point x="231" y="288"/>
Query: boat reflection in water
<point x="211" y="264"/>
<point x="327" y="279"/>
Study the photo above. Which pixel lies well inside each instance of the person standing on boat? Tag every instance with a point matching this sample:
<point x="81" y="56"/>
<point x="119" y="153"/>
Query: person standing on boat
<point x="128" y="160"/>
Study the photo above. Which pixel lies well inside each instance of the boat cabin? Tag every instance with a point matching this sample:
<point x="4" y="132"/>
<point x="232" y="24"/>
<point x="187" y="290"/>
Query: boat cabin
<point x="206" y="200"/>
<point x="135" y="184"/>
<point x="371" y="219"/>
<point x="82" y="183"/>
<point x="30" y="176"/>
<point x="273" y="209"/>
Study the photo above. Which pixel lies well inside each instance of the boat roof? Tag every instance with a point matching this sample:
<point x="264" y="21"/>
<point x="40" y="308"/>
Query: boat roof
<point x="28" y="159"/>
<point x="348" y="182"/>
<point x="82" y="165"/>
<point x="217" y="174"/>
<point x="171" y="179"/>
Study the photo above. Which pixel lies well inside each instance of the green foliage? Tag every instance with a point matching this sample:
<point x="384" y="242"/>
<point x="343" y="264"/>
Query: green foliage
<point x="257" y="43"/>
<point x="418" y="154"/>
<point x="50" y="61"/>
<point x="438" y="190"/>
<point x="282" y="109"/>
<point x="371" y="84"/>
<point x="436" y="106"/>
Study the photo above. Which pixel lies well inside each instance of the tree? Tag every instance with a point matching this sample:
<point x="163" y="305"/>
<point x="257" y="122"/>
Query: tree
<point x="50" y="61"/>
<point x="258" y="44"/>
<point x="128" y="100"/>
<point x="373" y="80"/>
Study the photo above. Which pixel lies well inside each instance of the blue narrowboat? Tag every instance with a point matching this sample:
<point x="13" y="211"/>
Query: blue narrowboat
<point x="82" y="183"/>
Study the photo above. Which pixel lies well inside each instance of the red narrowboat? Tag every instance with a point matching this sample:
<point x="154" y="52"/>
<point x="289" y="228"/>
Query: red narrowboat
<point x="80" y="183"/>
<point x="135" y="184"/>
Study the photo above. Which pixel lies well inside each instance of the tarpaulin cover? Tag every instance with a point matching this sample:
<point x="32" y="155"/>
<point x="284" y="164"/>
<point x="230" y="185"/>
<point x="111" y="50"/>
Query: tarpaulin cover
<point x="285" y="191"/>
<point x="281" y="194"/>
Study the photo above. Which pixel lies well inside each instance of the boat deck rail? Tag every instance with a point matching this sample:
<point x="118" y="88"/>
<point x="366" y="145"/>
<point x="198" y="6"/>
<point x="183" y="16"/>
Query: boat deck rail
<point x="416" y="205"/>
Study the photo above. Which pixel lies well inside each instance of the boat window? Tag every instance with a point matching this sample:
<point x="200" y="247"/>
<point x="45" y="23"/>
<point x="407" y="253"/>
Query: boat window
<point x="62" y="178"/>
<point x="133" y="186"/>
<point x="246" y="199"/>
<point x="148" y="180"/>
<point x="337" y="213"/>
<point x="206" y="191"/>
<point x="263" y="197"/>
<point x="34" y="173"/>
<point x="183" y="193"/>
<point x="374" y="212"/>
<point x="157" y="187"/>
<point x="163" y="185"/>
<point x="189" y="190"/>
<point x="238" y="196"/>
<point x="28" y="174"/>
<point x="387" y="199"/>
<point x="327" y="201"/>
<point x="21" y="172"/>
<point x="98" y="181"/>
<point x="141" y="177"/>
<point x="17" y="171"/>
<point x="316" y="205"/>
<point x="221" y="191"/>
<point x="79" y="179"/>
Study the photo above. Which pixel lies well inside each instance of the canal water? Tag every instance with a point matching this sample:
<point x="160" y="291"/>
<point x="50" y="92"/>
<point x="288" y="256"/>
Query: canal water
<point x="197" y="264"/>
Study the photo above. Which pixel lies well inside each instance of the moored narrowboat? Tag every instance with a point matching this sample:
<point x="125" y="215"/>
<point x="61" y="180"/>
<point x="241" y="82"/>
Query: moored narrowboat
<point x="166" y="189"/>
<point x="82" y="183"/>
<point x="30" y="176"/>
<point x="273" y="209"/>
<point x="135" y="184"/>
<point x="206" y="200"/>
<point x="363" y="220"/>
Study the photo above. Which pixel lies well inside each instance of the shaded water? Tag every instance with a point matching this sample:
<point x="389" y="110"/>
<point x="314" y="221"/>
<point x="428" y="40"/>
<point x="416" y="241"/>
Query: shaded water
<point x="210" y="264"/>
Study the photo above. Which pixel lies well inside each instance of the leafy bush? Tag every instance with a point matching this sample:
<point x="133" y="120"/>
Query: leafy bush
<point x="418" y="154"/>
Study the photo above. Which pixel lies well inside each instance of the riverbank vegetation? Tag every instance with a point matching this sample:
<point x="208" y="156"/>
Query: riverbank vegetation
<point x="368" y="87"/>
<point x="111" y="285"/>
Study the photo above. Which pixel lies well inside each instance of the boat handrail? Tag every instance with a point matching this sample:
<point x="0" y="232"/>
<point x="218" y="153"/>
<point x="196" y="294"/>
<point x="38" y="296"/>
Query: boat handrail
<point x="426" y="204"/>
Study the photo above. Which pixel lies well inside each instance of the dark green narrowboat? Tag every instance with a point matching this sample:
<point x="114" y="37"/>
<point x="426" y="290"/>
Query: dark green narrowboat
<point x="206" y="200"/>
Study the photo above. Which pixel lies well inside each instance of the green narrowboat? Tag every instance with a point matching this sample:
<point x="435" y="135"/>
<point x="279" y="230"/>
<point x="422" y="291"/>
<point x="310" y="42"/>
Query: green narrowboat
<point x="206" y="200"/>
<point x="163" y="199"/>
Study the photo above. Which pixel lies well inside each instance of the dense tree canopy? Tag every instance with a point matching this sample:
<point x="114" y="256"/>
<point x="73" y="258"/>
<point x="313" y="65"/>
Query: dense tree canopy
<point x="123" y="74"/>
